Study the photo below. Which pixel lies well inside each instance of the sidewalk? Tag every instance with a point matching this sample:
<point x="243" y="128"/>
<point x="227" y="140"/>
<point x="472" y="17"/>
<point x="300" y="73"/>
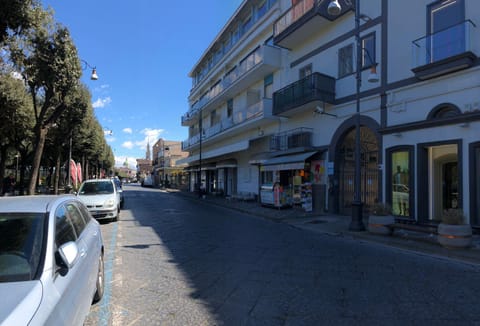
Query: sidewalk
<point x="336" y="225"/>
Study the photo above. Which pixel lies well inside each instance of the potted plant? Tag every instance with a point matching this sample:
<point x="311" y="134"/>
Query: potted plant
<point x="453" y="231"/>
<point x="380" y="218"/>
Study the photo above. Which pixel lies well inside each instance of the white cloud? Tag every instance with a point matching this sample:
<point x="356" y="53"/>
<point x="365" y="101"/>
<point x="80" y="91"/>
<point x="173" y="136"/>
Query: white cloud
<point x="128" y="130"/>
<point x="151" y="137"/>
<point x="101" y="102"/>
<point x="128" y="144"/>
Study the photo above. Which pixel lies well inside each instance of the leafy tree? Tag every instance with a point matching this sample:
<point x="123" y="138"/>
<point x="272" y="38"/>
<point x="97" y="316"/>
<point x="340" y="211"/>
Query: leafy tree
<point x="15" y="15"/>
<point x="16" y="113"/>
<point x="47" y="58"/>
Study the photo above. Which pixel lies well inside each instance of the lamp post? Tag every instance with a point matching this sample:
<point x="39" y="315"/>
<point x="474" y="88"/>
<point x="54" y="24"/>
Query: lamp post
<point x="199" y="176"/>
<point x="86" y="65"/>
<point x="356" y="224"/>
<point x="16" y="167"/>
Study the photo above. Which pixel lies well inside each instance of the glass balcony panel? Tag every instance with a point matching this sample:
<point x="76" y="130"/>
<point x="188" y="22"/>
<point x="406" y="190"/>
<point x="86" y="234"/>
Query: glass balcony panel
<point x="444" y="44"/>
<point x="292" y="15"/>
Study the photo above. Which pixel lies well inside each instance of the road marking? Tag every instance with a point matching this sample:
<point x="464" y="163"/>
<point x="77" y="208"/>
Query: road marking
<point x="104" y="313"/>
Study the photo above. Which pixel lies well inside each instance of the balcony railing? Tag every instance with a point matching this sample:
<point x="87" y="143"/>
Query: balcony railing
<point x="295" y="138"/>
<point x="453" y="46"/>
<point x="261" y="108"/>
<point x="315" y="87"/>
<point x="292" y="15"/>
<point x="264" y="54"/>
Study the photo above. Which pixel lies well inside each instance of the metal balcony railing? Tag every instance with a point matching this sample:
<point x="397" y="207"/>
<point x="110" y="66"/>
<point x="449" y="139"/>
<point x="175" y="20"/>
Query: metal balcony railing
<point x="311" y="88"/>
<point x="295" y="138"/>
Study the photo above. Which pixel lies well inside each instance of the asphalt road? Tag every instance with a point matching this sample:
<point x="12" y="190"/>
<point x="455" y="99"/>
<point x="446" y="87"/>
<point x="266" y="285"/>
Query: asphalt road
<point x="173" y="261"/>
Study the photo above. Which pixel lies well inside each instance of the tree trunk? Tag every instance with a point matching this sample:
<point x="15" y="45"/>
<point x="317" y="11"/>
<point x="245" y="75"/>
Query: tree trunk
<point x="37" y="159"/>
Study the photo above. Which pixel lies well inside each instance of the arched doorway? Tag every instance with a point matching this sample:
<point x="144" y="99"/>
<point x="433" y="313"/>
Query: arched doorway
<point x="345" y="171"/>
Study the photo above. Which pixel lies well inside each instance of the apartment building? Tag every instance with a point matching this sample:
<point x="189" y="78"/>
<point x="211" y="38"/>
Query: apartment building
<point x="417" y="104"/>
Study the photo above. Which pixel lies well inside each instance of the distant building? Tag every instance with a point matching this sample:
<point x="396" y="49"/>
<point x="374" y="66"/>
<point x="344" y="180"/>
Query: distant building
<point x="166" y="170"/>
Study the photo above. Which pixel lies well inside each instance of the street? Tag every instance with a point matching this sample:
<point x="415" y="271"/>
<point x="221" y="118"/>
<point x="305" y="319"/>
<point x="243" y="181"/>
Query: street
<point x="171" y="260"/>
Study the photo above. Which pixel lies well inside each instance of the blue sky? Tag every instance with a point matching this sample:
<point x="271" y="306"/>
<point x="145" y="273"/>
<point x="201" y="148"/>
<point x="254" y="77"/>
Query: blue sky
<point x="143" y="51"/>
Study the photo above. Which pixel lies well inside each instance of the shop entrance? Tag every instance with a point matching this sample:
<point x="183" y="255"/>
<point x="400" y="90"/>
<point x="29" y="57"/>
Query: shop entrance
<point x="345" y="161"/>
<point x="444" y="180"/>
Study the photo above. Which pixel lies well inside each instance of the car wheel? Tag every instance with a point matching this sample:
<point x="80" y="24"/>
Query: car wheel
<point x="100" y="281"/>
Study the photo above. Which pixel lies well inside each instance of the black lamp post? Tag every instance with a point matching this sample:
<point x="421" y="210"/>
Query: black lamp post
<point x="356" y="223"/>
<point x="199" y="176"/>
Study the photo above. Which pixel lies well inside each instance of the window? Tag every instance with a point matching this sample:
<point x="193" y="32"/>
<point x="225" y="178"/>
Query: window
<point x="230" y="108"/>
<point x="247" y="23"/>
<point x="305" y="71"/>
<point x="268" y="86"/>
<point x="77" y="219"/>
<point x="368" y="49"/>
<point x="446" y="36"/>
<point x="400" y="180"/>
<point x="345" y="61"/>
<point x="64" y="230"/>
<point x="261" y="9"/>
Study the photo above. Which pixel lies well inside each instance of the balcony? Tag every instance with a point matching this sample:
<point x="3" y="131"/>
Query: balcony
<point x="295" y="97"/>
<point x="303" y="19"/>
<point x="252" y="115"/>
<point x="449" y="50"/>
<point x="254" y="67"/>
<point x="292" y="139"/>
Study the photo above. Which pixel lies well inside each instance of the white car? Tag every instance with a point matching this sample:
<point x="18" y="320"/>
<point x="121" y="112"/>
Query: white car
<point x="51" y="261"/>
<point x="101" y="198"/>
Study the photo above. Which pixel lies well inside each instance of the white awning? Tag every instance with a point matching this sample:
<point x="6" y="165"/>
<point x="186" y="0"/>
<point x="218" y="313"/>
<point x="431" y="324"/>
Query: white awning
<point x="287" y="162"/>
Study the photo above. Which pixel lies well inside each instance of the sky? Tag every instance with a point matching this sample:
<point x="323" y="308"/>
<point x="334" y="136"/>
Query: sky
<point x="143" y="51"/>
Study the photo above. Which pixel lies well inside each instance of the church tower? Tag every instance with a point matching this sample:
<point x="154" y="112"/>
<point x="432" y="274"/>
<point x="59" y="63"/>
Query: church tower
<point x="148" y="156"/>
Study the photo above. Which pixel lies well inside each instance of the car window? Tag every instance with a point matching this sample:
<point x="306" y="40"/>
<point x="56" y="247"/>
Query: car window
<point x="84" y="212"/>
<point x="64" y="230"/>
<point x="94" y="188"/>
<point x="21" y="245"/>
<point x="76" y="217"/>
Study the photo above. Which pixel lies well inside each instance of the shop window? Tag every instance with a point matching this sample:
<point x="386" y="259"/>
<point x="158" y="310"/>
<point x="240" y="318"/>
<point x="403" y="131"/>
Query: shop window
<point x="399" y="180"/>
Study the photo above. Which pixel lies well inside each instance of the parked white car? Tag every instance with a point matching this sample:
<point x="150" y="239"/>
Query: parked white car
<point x="51" y="261"/>
<point x="101" y="198"/>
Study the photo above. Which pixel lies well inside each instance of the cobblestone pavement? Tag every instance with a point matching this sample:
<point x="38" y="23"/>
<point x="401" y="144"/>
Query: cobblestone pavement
<point x="338" y="225"/>
<point x="178" y="260"/>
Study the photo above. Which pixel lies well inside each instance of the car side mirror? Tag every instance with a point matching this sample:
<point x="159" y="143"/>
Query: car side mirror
<point x="66" y="257"/>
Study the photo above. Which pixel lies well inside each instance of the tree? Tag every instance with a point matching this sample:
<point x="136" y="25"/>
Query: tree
<point x="47" y="58"/>
<point x="15" y="15"/>
<point x="15" y="113"/>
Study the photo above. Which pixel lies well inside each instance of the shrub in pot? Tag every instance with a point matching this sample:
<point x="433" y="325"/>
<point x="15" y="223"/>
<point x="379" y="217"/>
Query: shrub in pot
<point x="380" y="218"/>
<point x="453" y="232"/>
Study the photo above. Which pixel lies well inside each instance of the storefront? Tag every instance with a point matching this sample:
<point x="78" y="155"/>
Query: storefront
<point x="291" y="179"/>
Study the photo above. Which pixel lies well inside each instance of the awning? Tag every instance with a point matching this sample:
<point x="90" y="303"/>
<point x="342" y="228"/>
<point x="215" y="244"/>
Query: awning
<point x="259" y="158"/>
<point x="232" y="163"/>
<point x="287" y="162"/>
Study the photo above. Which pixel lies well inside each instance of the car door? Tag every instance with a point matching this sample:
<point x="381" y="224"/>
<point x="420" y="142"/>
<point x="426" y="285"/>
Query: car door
<point x="69" y="288"/>
<point x="92" y="238"/>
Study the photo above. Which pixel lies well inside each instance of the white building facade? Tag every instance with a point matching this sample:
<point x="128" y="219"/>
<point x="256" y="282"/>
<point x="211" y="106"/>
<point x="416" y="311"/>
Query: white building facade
<point x="420" y="121"/>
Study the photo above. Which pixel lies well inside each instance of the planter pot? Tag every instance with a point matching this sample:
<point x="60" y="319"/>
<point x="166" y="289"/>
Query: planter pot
<point x="454" y="236"/>
<point x="380" y="224"/>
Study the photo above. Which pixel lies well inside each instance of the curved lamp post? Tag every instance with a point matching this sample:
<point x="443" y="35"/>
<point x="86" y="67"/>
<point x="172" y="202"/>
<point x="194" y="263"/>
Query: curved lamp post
<point x="86" y="65"/>
<point x="356" y="223"/>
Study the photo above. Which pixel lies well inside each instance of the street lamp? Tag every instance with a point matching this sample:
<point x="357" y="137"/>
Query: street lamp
<point x="86" y="65"/>
<point x="356" y="224"/>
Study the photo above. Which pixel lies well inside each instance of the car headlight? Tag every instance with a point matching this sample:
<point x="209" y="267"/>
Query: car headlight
<point x="109" y="203"/>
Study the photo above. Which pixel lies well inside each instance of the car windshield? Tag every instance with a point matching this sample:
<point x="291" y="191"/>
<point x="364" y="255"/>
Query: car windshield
<point x="96" y="188"/>
<point x="21" y="243"/>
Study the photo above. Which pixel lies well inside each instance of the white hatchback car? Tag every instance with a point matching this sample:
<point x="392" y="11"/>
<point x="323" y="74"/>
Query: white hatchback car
<point x="51" y="261"/>
<point x="101" y="198"/>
